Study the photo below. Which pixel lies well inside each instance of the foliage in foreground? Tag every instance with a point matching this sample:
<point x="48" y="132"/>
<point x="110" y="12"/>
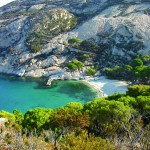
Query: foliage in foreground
<point x="119" y="121"/>
<point x="85" y="142"/>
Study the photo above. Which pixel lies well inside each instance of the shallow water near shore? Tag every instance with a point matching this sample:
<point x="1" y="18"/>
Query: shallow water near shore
<point x="28" y="93"/>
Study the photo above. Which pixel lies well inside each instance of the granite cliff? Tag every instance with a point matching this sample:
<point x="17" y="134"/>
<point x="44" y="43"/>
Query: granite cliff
<point x="34" y="35"/>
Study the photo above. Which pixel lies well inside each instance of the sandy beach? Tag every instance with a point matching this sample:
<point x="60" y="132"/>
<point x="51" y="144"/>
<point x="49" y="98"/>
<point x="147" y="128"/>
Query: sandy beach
<point x="106" y="86"/>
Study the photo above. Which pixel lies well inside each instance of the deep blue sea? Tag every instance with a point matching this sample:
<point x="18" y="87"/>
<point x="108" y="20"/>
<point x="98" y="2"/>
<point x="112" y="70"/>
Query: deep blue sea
<point x="28" y="93"/>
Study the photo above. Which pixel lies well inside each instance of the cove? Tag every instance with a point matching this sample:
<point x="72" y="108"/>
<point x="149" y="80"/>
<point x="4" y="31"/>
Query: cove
<point x="28" y="93"/>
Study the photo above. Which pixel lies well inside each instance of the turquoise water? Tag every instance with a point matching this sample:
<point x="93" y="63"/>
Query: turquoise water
<point x="24" y="93"/>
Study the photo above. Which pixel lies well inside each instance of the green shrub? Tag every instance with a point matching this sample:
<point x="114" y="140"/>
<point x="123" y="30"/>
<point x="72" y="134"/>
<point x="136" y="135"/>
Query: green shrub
<point x="108" y="115"/>
<point x="43" y="29"/>
<point x="35" y="47"/>
<point x="128" y="68"/>
<point x="85" y="141"/>
<point x="18" y="116"/>
<point x="78" y="63"/>
<point x="115" y="96"/>
<point x="71" y="66"/>
<point x="136" y="70"/>
<point x="74" y="40"/>
<point x="37" y="118"/>
<point x="146" y="58"/>
<point x="136" y="62"/>
<point x="70" y="116"/>
<point x="90" y="71"/>
<point x="9" y="116"/>
<point x="143" y="103"/>
<point x="138" y="90"/>
<point x="90" y="46"/>
<point x="75" y="64"/>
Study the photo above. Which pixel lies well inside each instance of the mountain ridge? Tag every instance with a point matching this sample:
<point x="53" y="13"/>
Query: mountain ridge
<point x="119" y="31"/>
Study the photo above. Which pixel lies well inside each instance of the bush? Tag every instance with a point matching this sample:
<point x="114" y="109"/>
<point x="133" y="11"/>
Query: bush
<point x="18" y="116"/>
<point x="9" y="116"/>
<point x="138" y="90"/>
<point x="75" y="64"/>
<point x="74" y="40"/>
<point x="35" y="47"/>
<point x="85" y="141"/>
<point x="108" y="116"/>
<point x="136" y="62"/>
<point x="143" y="103"/>
<point x="133" y="72"/>
<point x="71" y="66"/>
<point x="91" y="46"/>
<point x="110" y="72"/>
<point x="146" y="58"/>
<point x="36" y="118"/>
<point x="90" y="72"/>
<point x="69" y="116"/>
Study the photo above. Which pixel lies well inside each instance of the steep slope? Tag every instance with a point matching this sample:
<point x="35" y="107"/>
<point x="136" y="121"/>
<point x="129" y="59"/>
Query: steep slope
<point x="34" y="34"/>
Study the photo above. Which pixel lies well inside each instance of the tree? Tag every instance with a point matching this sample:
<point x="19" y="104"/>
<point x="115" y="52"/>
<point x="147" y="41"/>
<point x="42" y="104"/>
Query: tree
<point x="128" y="68"/>
<point x="118" y="70"/>
<point x="146" y="58"/>
<point x="79" y="64"/>
<point x="88" y="45"/>
<point x="71" y="66"/>
<point x="126" y="100"/>
<point x="74" y="40"/>
<point x="68" y="118"/>
<point x="142" y="73"/>
<point x="136" y="62"/>
<point x="75" y="64"/>
<point x="138" y="90"/>
<point x="133" y="71"/>
<point x="18" y="116"/>
<point x="115" y="96"/>
<point x="128" y="72"/>
<point x="143" y="103"/>
<point x="90" y="72"/>
<point x="37" y="118"/>
<point x="107" y="116"/>
<point x="110" y="72"/>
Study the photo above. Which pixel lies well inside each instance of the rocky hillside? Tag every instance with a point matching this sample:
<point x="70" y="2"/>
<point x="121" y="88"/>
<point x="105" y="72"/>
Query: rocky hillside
<point x="34" y="35"/>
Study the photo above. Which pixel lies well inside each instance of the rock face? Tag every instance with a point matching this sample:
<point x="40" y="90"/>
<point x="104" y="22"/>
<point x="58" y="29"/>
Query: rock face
<point x="46" y="25"/>
<point x="34" y="34"/>
<point x="2" y="123"/>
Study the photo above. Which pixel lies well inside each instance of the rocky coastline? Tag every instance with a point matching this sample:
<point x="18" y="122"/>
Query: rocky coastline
<point x="34" y="36"/>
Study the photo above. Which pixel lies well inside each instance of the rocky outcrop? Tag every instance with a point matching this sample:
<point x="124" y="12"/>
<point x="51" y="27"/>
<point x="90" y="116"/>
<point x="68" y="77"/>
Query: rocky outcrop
<point x="34" y="35"/>
<point x="46" y="25"/>
<point x="2" y="123"/>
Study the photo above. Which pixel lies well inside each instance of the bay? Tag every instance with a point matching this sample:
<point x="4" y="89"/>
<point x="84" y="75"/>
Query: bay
<point x="28" y="93"/>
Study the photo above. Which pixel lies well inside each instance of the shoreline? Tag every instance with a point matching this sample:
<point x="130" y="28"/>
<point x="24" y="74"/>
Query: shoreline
<point x="106" y="87"/>
<point x="103" y="86"/>
<point x="99" y="94"/>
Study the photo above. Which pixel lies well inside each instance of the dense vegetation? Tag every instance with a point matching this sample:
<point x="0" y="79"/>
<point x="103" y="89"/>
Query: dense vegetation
<point x="74" y="40"/>
<point x="75" y="64"/>
<point x="87" y="45"/>
<point x="137" y="70"/>
<point x="90" y="71"/>
<point x="45" y="28"/>
<point x="119" y="121"/>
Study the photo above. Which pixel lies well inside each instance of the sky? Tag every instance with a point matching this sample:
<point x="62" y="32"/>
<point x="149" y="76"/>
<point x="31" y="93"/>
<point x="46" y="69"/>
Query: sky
<point x="4" y="2"/>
